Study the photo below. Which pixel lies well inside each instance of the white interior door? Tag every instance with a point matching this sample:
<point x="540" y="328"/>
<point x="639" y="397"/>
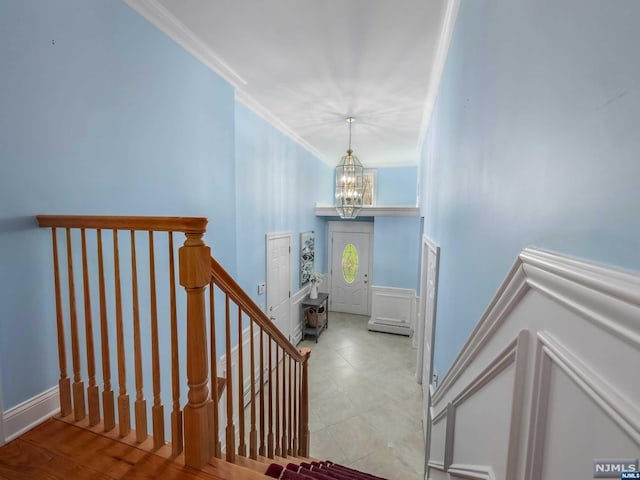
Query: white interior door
<point x="350" y="275"/>
<point x="279" y="281"/>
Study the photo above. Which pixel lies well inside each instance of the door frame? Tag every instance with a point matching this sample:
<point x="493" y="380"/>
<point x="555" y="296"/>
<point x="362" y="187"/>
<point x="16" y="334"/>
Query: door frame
<point x="275" y="236"/>
<point x="342" y="226"/>
<point x="2" y="437"/>
<point x="427" y="245"/>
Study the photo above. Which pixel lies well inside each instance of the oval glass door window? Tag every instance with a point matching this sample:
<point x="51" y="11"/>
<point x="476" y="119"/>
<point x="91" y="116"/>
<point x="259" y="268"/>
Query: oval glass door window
<point x="349" y="263"/>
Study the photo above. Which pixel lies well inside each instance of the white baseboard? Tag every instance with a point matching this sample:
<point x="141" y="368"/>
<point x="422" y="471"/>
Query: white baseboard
<point x="392" y="310"/>
<point x="30" y="413"/>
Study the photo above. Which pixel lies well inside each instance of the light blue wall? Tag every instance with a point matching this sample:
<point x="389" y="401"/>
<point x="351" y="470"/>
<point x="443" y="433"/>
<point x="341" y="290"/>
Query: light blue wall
<point x="534" y="141"/>
<point x="277" y="185"/>
<point x="101" y="114"/>
<point x="396" y="248"/>
<point x="397" y="185"/>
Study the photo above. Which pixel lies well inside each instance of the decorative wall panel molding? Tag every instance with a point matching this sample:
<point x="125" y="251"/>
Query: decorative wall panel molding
<point x="393" y="310"/>
<point x="571" y="394"/>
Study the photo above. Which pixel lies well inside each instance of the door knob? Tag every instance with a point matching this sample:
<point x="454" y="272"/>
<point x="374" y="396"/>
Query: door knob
<point x="273" y="319"/>
<point x="271" y="309"/>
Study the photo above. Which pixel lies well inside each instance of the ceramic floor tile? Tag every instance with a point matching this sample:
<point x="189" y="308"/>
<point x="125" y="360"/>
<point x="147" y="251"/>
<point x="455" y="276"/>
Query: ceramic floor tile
<point x="365" y="405"/>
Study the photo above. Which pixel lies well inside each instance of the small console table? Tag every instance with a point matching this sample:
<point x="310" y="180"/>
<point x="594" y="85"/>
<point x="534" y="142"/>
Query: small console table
<point x="307" y="303"/>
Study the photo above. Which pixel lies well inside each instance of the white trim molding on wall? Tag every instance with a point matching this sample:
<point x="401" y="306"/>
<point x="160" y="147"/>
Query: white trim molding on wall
<point x="558" y="344"/>
<point x="296" y="314"/>
<point x="23" y="417"/>
<point x="372" y="211"/>
<point x="448" y="23"/>
<point x="167" y="23"/>
<point x="393" y="310"/>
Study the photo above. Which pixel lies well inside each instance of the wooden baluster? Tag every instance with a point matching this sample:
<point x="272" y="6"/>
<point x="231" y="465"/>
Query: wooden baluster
<point x="278" y="453"/>
<point x="93" y="394"/>
<point x="78" y="384"/>
<point x="290" y="410"/>
<point x="107" y="393"/>
<point x="230" y="430"/>
<point x="296" y="398"/>
<point x="177" y="439"/>
<point x="284" y="404"/>
<point x="124" y="413"/>
<point x="253" y="435"/>
<point x="304" y="404"/>
<point x="195" y="274"/>
<point x="216" y="447"/>
<point x="140" y="403"/>
<point x="270" y="451"/>
<point x="261" y="450"/>
<point x="157" y="411"/>
<point x="242" y="446"/>
<point x="64" y="383"/>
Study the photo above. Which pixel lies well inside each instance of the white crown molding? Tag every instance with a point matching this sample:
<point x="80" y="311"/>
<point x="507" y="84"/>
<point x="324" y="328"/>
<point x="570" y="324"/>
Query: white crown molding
<point x="373" y="211"/>
<point x="260" y="110"/>
<point x="448" y="25"/>
<point x="615" y="307"/>
<point x="167" y="23"/>
<point x="28" y="414"/>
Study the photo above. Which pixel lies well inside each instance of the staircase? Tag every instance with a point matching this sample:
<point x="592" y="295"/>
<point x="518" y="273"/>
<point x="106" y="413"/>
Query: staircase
<point x="134" y="317"/>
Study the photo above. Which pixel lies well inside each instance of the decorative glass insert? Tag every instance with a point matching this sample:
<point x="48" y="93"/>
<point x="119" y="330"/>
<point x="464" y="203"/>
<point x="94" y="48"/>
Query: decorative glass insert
<point x="349" y="263"/>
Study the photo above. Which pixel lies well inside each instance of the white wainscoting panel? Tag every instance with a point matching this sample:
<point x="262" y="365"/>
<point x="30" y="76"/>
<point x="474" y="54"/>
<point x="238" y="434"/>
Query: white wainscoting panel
<point x="547" y="381"/>
<point x="28" y="414"/>
<point x="393" y="310"/>
<point x="296" y="313"/>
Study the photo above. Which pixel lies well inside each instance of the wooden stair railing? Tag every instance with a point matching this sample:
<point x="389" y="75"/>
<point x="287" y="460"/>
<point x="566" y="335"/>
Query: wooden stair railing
<point x="277" y="389"/>
<point x="276" y="368"/>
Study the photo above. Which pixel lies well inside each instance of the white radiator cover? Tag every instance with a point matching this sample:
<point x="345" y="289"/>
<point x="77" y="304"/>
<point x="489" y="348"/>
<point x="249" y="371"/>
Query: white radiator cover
<point x="393" y="310"/>
<point x="548" y="380"/>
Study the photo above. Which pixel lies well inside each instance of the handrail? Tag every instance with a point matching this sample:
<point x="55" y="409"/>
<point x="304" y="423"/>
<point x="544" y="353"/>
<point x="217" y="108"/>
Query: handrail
<point x="193" y="428"/>
<point x="106" y="222"/>
<point x="229" y="286"/>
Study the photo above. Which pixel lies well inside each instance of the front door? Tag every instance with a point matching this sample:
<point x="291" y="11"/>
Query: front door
<point x="279" y="281"/>
<point x="350" y="275"/>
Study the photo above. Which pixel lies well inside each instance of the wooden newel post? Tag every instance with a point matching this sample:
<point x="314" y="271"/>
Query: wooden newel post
<point x="304" y="404"/>
<point x="195" y="274"/>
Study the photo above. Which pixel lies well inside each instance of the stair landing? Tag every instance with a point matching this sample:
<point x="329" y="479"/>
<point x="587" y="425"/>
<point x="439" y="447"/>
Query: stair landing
<point x="58" y="450"/>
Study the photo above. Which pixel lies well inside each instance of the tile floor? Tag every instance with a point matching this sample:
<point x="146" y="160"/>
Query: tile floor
<point x="365" y="405"/>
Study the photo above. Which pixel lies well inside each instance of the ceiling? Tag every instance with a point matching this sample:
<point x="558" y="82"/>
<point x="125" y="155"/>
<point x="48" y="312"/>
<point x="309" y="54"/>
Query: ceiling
<point x="306" y="65"/>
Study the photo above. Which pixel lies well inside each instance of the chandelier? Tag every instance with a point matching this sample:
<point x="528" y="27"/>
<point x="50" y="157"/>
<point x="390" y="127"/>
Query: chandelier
<point x="349" y="183"/>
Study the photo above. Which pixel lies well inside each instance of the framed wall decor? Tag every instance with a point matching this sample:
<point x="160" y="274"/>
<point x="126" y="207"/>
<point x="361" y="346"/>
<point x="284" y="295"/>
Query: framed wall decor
<point x="369" y="181"/>
<point x="307" y="255"/>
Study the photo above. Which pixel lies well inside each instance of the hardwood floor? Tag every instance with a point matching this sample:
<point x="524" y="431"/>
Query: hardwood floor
<point x="57" y="450"/>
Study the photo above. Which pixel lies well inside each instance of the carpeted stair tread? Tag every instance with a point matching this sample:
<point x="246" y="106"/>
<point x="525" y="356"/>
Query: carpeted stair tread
<point x="317" y="470"/>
